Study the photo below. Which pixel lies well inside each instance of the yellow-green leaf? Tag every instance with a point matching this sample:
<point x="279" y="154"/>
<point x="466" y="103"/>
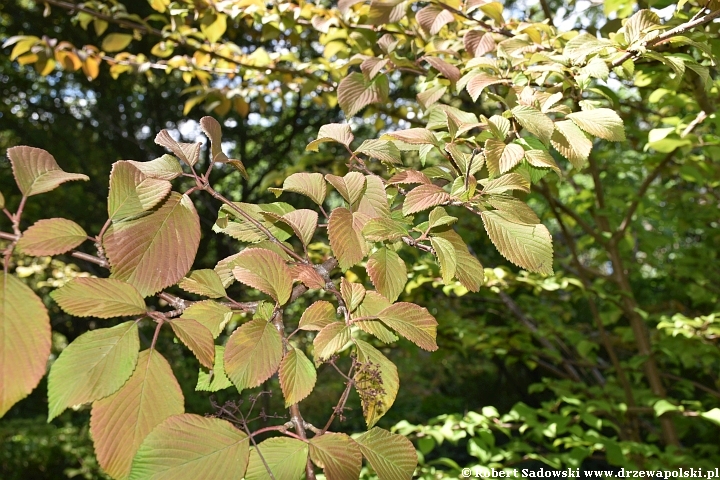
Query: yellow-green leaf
<point x="51" y="236"/>
<point x="99" y="297"/>
<point x="114" y="42"/>
<point x="297" y="376"/>
<point x="253" y="354"/>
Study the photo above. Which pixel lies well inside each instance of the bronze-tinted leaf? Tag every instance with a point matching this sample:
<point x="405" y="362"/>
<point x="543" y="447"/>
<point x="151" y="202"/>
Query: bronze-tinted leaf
<point x="337" y="454"/>
<point x="333" y="132"/>
<point x="501" y="157"/>
<point x="317" y="316"/>
<point x="297" y="376"/>
<point x="157" y="250"/>
<point x="265" y="270"/>
<point x="309" y="184"/>
<point x="197" y="338"/>
<point x="344" y="230"/>
<point x="432" y="18"/>
<point x="376" y="381"/>
<point x="205" y="282"/>
<point x="412" y="322"/>
<point x="352" y="293"/>
<point x="387" y="272"/>
<point x="391" y="455"/>
<point x="330" y="340"/>
<point x="355" y="93"/>
<point x="351" y="186"/>
<point x="166" y="167"/>
<point x="51" y="236"/>
<point x="423" y="197"/>
<point x="374" y="202"/>
<point x="36" y="171"/>
<point x="99" y="297"/>
<point x="307" y="275"/>
<point x="132" y="192"/>
<point x="24" y="336"/>
<point x="187" y="152"/>
<point x="119" y="423"/>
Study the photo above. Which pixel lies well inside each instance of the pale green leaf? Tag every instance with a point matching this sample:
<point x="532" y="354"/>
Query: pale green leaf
<point x="446" y="256"/>
<point x="166" y="167"/>
<point x="601" y="122"/>
<point x="205" y="282"/>
<point x="213" y="315"/>
<point x="468" y="271"/>
<point x="527" y="246"/>
<point x="392" y="456"/>
<point x="372" y="304"/>
<point x="412" y="322"/>
<point x="96" y="364"/>
<point x="197" y="338"/>
<point x="337" y="454"/>
<point x="286" y="458"/>
<point x="351" y="186"/>
<point x="502" y="157"/>
<point x="309" y="184"/>
<point x="253" y="354"/>
<point x="374" y="202"/>
<point x="215" y="379"/>
<point x="192" y="446"/>
<point x="99" y="297"/>
<point x="266" y="271"/>
<point x="36" y="171"/>
<point x="388" y="273"/>
<point x="571" y="142"/>
<point x="330" y="340"/>
<point x="317" y="316"/>
<point x="352" y="293"/>
<point x="355" y="93"/>
<point x="383" y="150"/>
<point x="297" y="376"/>
<point x="333" y="132"/>
<point x="51" y="236"/>
<point x="534" y="122"/>
<point x="187" y="152"/>
<point x="132" y="193"/>
<point x="114" y="42"/>
<point x="376" y="381"/>
<point x="380" y="229"/>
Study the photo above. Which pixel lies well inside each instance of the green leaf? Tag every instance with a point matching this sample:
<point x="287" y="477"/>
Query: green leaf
<point x="346" y="240"/>
<point x="157" y="250"/>
<point x="265" y="270"/>
<point x="412" y="322"/>
<point x="351" y="186"/>
<point x="189" y="153"/>
<point x="286" y="458"/>
<point x="439" y="218"/>
<point x="352" y="294"/>
<point x="502" y="157"/>
<point x="309" y="184"/>
<point x="534" y="122"/>
<point x="381" y="229"/>
<point x="215" y="379"/>
<point x="205" y="282"/>
<point x="712" y="415"/>
<point x="601" y="122"/>
<point x="241" y="228"/>
<point x="662" y="406"/>
<point x="114" y="42"/>
<point x="337" y="454"/>
<point x="166" y="167"/>
<point x="96" y="364"/>
<point x="317" y="316"/>
<point x="355" y="93"/>
<point x="446" y="256"/>
<point x="24" y="336"/>
<point x="36" y="171"/>
<point x="383" y="150"/>
<point x="392" y="456"/>
<point x="572" y="143"/>
<point x="469" y="271"/>
<point x="297" y="376"/>
<point x="303" y="222"/>
<point x="376" y="381"/>
<point x="387" y="272"/>
<point x="374" y="202"/>
<point x="527" y="246"/>
<point x="51" y="236"/>
<point x="99" y="297"/>
<point x="214" y="27"/>
<point x="253" y="354"/>
<point x="423" y="197"/>
<point x="132" y="193"/>
<point x="213" y="315"/>
<point x="513" y="207"/>
<point x="505" y="183"/>
<point x="372" y="304"/>
<point x="541" y="159"/>
<point x="119" y="423"/>
<point x="333" y="132"/>
<point x="192" y="446"/>
<point x="197" y="338"/>
<point x="330" y="340"/>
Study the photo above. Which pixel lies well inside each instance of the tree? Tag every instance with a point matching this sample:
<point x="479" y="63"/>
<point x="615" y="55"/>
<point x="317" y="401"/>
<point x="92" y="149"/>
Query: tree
<point x="501" y="105"/>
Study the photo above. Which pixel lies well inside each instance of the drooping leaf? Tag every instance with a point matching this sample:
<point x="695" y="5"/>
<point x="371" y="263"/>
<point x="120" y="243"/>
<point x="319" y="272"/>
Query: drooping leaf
<point x="337" y="454"/>
<point x="514" y="207"/>
<point x="205" y="282"/>
<point x="333" y="132"/>
<point x="478" y="43"/>
<point x="352" y="293"/>
<point x="253" y="353"/>
<point x="468" y="271"/>
<point x="119" y="423"/>
<point x="376" y="381"/>
<point x="423" y="197"/>
<point x="480" y="82"/>
<point x="213" y="130"/>
<point x="309" y="184"/>
<point x="438" y="218"/>
<point x="215" y="379"/>
<point x="302" y="221"/>
<point x="412" y="322"/>
<point x="213" y="315"/>
<point x="432" y="18"/>
<point x="286" y="458"/>
<point x="192" y="446"/>
<point x="571" y="142"/>
<point x="351" y="186"/>
<point x="527" y="246"/>
<point x="93" y="366"/>
<point x="601" y="122"/>
<point x="317" y="316"/>
<point x="501" y="157"/>
<point x="449" y="71"/>
<point x="297" y="376"/>
<point x="266" y="271"/>
<point x="541" y="159"/>
<point x="166" y="167"/>
<point x="187" y="152"/>
<point x="25" y="336"/>
<point x="99" y="297"/>
<point x="248" y="226"/>
<point x="446" y="256"/>
<point x="355" y="93"/>
<point x="330" y="340"/>
<point x="383" y="150"/>
<point x="157" y="250"/>
<point x="387" y="272"/>
<point x="392" y="456"/>
<point x="197" y="338"/>
<point x="344" y="230"/>
<point x="51" y="236"/>
<point x="534" y="122"/>
<point x="36" y="171"/>
<point x="372" y="304"/>
<point x="132" y="193"/>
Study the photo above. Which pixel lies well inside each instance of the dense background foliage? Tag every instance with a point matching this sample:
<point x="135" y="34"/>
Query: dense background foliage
<point x="611" y="361"/>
